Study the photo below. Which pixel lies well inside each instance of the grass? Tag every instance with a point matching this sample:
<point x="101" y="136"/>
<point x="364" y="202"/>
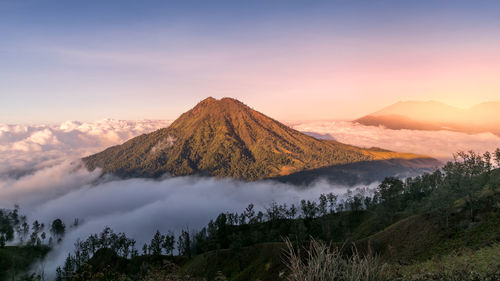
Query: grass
<point x="420" y="237"/>
<point x="467" y="264"/>
<point x="420" y="241"/>
<point x="323" y="262"/>
<point x="259" y="262"/>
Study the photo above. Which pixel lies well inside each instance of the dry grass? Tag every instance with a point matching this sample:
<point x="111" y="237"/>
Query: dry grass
<point x="321" y="262"/>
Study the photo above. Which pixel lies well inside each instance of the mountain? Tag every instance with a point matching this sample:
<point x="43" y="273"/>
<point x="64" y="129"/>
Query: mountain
<point x="432" y="115"/>
<point x="226" y="138"/>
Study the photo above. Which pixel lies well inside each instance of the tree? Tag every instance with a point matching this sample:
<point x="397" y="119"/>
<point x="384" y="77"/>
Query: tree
<point x="34" y="240"/>
<point x="470" y="171"/>
<point x="260" y="217"/>
<point x="221" y="225"/>
<point x="25" y="230"/>
<point x="76" y="223"/>
<point x="275" y="212"/>
<point x="368" y="202"/>
<point x="184" y="244"/>
<point x="390" y="189"/>
<point x="292" y="212"/>
<point x="59" y="274"/>
<point x="68" y="268"/>
<point x="487" y="161"/>
<point x="332" y="202"/>
<point x="168" y="243"/>
<point x="58" y="229"/>
<point x="497" y="157"/>
<point x="389" y="195"/>
<point x="323" y="205"/>
<point x="36" y="227"/>
<point x="155" y="247"/>
<point x="250" y="213"/>
<point x="242" y="219"/>
<point x="309" y="209"/>
<point x="356" y="203"/>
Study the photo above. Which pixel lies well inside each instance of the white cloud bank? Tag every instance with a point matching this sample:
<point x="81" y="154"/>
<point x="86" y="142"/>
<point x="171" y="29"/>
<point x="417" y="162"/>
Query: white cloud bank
<point x="438" y="144"/>
<point x="25" y="148"/>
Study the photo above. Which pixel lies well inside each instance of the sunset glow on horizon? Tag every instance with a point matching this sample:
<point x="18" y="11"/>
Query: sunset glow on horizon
<point x="292" y="60"/>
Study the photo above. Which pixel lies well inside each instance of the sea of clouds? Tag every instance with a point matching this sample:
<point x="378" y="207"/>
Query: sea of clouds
<point x="438" y="144"/>
<point x="40" y="170"/>
<point x="27" y="148"/>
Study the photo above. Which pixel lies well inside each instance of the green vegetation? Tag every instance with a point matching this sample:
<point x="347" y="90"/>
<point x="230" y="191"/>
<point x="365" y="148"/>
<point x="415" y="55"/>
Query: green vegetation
<point x="226" y="138"/>
<point x="464" y="264"/>
<point x="16" y="260"/>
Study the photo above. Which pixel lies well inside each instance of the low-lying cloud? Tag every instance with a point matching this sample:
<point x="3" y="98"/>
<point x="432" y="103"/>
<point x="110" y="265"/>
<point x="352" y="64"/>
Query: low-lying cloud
<point x="437" y="144"/>
<point x="138" y="207"/>
<point x="27" y="148"/>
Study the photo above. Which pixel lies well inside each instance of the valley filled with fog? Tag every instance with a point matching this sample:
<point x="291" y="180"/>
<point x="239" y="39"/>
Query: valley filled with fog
<point x="40" y="171"/>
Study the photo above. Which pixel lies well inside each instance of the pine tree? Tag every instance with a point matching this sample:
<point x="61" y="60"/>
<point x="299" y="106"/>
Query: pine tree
<point x="156" y="244"/>
<point x="184" y="244"/>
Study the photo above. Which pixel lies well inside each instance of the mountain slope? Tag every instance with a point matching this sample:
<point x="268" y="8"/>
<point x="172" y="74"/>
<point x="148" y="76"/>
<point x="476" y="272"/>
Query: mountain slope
<point x="226" y="138"/>
<point x="431" y="115"/>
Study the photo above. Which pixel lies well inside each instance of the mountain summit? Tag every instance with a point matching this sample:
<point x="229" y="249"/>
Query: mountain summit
<point x="226" y="138"/>
<point x="432" y="115"/>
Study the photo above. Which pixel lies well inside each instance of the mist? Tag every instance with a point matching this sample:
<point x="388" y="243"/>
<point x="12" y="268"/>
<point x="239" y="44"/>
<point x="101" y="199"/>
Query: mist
<point x="139" y="207"/>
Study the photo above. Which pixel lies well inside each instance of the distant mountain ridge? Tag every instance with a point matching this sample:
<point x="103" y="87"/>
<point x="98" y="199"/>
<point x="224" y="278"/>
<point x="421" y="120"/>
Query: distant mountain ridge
<point x="432" y="115"/>
<point x="226" y="138"/>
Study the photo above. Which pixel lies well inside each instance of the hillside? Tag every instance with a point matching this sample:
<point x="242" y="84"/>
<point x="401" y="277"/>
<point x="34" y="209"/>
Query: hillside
<point x="431" y="115"/>
<point x="226" y="138"/>
<point x="442" y="225"/>
<point x="415" y="244"/>
<point x="422" y="246"/>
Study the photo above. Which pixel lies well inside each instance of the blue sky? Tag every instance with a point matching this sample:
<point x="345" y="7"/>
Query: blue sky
<point x="84" y="60"/>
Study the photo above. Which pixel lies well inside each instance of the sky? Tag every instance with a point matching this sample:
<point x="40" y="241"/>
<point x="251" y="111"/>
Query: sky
<point x="292" y="60"/>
